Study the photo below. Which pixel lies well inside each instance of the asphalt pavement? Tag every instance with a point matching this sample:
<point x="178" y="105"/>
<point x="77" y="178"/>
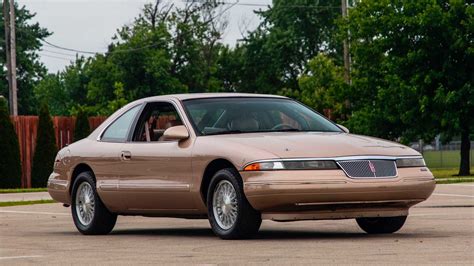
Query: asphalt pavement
<point x="438" y="231"/>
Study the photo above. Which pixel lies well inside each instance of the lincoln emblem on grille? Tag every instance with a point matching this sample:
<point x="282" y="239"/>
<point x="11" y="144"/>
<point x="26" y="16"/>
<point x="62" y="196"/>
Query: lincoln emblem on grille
<point x="372" y="167"/>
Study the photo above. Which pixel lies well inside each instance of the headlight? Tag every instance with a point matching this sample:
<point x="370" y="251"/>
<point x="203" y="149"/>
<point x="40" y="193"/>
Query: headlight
<point x="291" y="165"/>
<point x="410" y="162"/>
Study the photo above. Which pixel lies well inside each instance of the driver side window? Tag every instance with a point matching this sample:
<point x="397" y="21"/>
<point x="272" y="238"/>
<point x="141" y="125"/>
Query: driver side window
<point x="155" y="119"/>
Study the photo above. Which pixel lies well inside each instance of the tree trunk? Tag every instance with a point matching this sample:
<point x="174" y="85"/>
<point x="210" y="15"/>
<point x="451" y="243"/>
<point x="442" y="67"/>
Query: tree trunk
<point x="465" y="167"/>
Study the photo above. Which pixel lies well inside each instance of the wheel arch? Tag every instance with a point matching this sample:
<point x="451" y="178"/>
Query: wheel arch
<point x="212" y="168"/>
<point x="81" y="167"/>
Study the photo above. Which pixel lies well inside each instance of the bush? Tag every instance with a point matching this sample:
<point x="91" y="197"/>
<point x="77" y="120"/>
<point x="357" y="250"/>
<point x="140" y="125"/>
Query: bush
<point x="45" y="151"/>
<point x="82" y="129"/>
<point x="10" y="164"/>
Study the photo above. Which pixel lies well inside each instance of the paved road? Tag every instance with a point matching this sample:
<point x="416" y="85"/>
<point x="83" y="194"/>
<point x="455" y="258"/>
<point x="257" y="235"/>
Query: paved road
<point x="439" y="231"/>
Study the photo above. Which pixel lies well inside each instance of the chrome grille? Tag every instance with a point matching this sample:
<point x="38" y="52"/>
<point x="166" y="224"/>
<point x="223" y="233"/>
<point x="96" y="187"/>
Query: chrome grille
<point x="369" y="168"/>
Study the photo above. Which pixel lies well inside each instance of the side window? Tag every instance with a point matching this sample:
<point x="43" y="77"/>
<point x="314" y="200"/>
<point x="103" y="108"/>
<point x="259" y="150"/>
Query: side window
<point x="118" y="130"/>
<point x="155" y="119"/>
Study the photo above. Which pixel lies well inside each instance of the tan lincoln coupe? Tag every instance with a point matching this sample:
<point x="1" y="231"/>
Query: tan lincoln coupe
<point x="235" y="159"/>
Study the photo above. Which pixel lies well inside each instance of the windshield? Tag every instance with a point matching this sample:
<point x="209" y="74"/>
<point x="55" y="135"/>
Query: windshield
<point x="212" y="116"/>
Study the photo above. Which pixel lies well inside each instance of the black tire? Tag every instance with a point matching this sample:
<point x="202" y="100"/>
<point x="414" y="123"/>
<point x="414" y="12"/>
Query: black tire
<point x="248" y="220"/>
<point x="381" y="225"/>
<point x="103" y="221"/>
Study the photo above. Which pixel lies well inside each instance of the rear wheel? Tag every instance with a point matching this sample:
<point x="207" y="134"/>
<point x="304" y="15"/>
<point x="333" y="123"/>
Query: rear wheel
<point x="381" y="225"/>
<point x="90" y="215"/>
<point x="230" y="214"/>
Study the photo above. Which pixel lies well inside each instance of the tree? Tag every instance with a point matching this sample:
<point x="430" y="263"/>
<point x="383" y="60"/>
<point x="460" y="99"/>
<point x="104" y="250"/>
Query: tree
<point x="413" y="65"/>
<point x="291" y="33"/>
<point x="67" y="90"/>
<point x="10" y="164"/>
<point x="322" y="87"/>
<point x="166" y="49"/>
<point x="81" y="129"/>
<point x="29" y="69"/>
<point x="51" y="90"/>
<point x="45" y="149"/>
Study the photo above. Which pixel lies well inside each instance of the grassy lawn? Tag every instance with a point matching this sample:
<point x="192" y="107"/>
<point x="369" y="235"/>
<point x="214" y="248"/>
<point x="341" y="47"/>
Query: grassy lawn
<point x="27" y="202"/>
<point x="447" y="176"/>
<point x="444" y="159"/>
<point x="22" y="190"/>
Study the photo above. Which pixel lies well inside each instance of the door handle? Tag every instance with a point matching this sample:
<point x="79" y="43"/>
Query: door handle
<point x="126" y="155"/>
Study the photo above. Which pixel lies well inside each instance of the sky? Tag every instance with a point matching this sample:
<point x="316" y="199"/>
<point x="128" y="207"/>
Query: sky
<point x="89" y="25"/>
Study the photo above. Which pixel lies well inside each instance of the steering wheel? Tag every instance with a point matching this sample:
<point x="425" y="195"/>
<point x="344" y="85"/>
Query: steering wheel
<point x="282" y="126"/>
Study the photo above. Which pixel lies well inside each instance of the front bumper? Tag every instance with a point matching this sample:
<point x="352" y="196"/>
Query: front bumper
<point x="331" y="194"/>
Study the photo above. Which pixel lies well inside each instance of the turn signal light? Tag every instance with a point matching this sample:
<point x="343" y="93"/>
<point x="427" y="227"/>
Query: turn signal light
<point x="252" y="167"/>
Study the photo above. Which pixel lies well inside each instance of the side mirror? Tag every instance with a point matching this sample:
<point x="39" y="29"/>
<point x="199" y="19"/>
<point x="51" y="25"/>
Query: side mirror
<point x="176" y="133"/>
<point x="345" y="129"/>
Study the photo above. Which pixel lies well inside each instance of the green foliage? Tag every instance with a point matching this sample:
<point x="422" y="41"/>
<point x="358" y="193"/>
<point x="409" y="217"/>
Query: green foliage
<point x="178" y="49"/>
<point x="292" y="33"/>
<point x="66" y="91"/>
<point x="10" y="164"/>
<point x="29" y="69"/>
<point x="167" y="49"/>
<point x="27" y="202"/>
<point x="51" y="90"/>
<point x="22" y="190"/>
<point x="414" y="65"/>
<point x="322" y="87"/>
<point x="45" y="149"/>
<point x="81" y="129"/>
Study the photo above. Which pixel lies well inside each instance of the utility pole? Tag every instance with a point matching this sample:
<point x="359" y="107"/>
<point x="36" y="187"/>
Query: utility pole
<point x="347" y="62"/>
<point x="14" y="90"/>
<point x="6" y="22"/>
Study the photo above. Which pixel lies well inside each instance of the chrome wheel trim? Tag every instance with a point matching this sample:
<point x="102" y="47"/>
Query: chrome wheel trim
<point x="85" y="203"/>
<point x="224" y="205"/>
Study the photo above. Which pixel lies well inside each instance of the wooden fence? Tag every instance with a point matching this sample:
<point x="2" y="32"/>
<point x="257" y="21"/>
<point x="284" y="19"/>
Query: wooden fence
<point x="26" y="128"/>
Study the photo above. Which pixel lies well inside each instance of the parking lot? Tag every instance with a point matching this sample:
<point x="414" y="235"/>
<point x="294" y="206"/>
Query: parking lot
<point x="438" y="231"/>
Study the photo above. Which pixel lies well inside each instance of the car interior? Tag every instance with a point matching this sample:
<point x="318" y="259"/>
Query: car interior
<point x="250" y="118"/>
<point x="155" y="119"/>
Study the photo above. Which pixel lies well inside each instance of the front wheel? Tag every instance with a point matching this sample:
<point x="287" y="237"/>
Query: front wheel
<point x="381" y="225"/>
<point x="90" y="215"/>
<point x="230" y="214"/>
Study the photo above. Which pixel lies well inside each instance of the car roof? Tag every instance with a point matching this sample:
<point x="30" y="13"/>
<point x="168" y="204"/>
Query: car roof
<point x="189" y="96"/>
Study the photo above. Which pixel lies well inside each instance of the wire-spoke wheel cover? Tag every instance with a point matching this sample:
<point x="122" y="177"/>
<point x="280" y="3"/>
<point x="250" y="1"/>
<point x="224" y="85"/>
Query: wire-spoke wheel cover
<point x="225" y="205"/>
<point x="85" y="203"/>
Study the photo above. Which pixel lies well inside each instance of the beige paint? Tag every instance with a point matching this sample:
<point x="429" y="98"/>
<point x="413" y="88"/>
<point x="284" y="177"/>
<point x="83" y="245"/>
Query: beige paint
<point x="164" y="178"/>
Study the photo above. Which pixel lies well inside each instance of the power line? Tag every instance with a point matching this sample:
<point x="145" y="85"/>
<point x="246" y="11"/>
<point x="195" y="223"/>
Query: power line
<point x="59" y="53"/>
<point x="93" y="53"/>
<point x="283" y="6"/>
<point x="232" y="4"/>
<point x="56" y="57"/>
<point x="68" y="49"/>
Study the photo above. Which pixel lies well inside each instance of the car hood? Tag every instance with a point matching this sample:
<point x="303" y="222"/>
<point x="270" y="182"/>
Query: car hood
<point x="316" y="144"/>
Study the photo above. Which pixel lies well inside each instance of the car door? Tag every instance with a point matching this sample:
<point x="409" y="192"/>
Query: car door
<point x="106" y="160"/>
<point x="157" y="173"/>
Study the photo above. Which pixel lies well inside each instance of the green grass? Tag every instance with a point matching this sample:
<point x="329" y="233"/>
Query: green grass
<point x="444" y="159"/>
<point x="26" y="202"/>
<point x="455" y="180"/>
<point x="448" y="176"/>
<point x="21" y="190"/>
